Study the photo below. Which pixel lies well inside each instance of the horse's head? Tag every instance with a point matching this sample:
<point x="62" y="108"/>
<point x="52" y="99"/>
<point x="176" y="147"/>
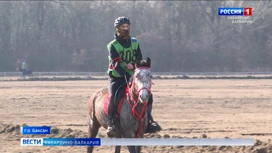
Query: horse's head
<point x="142" y="80"/>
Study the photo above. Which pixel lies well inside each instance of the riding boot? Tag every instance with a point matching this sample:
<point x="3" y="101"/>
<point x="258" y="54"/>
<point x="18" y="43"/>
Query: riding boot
<point x="149" y="108"/>
<point x="111" y="130"/>
<point x="152" y="126"/>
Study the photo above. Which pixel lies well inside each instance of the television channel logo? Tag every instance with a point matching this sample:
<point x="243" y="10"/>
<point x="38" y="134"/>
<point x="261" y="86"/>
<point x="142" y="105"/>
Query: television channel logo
<point x="31" y="141"/>
<point x="247" y="11"/>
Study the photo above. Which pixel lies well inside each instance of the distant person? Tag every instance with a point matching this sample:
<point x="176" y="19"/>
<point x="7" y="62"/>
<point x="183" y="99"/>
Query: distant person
<point x="123" y="51"/>
<point x="25" y="70"/>
<point x="24" y="66"/>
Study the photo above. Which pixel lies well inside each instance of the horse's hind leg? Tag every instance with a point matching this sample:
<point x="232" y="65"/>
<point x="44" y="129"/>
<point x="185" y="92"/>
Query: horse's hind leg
<point x="93" y="128"/>
<point x="92" y="134"/>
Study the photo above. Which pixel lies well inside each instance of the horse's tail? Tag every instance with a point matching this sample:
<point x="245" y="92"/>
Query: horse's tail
<point x="91" y="108"/>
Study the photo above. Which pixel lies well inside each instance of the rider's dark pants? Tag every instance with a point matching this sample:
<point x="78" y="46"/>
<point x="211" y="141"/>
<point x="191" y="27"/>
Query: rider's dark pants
<point x="113" y="85"/>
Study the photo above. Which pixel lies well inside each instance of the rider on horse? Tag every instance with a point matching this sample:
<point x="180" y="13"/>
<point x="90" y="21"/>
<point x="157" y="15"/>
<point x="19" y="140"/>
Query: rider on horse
<point x="123" y="52"/>
<point x="23" y="66"/>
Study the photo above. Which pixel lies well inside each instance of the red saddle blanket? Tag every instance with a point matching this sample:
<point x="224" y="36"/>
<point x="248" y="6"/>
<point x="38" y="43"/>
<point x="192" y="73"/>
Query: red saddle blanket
<point x="106" y="101"/>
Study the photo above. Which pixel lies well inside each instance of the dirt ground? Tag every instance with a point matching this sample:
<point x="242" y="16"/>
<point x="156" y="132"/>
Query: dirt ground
<point x="184" y="108"/>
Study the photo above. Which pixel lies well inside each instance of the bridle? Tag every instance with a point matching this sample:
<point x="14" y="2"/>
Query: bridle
<point x="136" y="86"/>
<point x="138" y="115"/>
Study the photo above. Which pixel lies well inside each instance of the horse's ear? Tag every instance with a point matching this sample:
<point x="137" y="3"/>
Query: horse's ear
<point x="148" y="62"/>
<point x="137" y="63"/>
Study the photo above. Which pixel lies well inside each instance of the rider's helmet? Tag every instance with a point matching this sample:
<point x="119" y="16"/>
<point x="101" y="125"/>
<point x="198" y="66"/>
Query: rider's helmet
<point x="121" y="20"/>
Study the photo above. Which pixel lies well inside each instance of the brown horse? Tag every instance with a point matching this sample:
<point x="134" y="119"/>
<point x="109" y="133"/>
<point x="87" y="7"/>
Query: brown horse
<point x="132" y="108"/>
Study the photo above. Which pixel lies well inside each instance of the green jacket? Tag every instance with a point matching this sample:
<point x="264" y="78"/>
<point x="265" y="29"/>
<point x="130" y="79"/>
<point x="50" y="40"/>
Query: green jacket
<point x="24" y="66"/>
<point x="127" y="55"/>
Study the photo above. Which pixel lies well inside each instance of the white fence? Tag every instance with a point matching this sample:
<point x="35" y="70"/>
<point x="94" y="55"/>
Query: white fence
<point x="86" y="74"/>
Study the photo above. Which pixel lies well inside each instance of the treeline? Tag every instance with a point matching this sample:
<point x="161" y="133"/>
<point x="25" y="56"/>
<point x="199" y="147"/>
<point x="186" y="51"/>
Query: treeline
<point x="177" y="35"/>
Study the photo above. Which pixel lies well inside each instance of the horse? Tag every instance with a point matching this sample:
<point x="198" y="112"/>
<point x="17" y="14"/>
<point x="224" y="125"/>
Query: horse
<point x="25" y="72"/>
<point x="131" y="111"/>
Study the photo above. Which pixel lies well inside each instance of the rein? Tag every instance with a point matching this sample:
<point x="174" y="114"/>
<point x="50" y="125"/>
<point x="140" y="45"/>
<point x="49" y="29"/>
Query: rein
<point x="116" y="60"/>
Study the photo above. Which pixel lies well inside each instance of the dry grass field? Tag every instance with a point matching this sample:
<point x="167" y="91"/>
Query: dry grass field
<point x="184" y="108"/>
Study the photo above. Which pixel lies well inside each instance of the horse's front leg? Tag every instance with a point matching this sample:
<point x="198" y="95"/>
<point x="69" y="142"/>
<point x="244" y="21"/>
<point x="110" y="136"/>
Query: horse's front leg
<point x="138" y="149"/>
<point x="118" y="148"/>
<point x="130" y="134"/>
<point x="132" y="149"/>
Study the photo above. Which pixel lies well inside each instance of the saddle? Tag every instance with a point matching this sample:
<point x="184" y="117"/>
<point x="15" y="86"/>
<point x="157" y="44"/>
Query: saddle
<point x="118" y="97"/>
